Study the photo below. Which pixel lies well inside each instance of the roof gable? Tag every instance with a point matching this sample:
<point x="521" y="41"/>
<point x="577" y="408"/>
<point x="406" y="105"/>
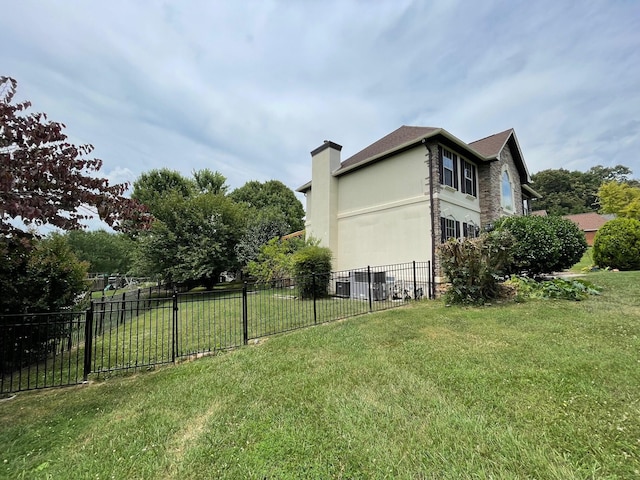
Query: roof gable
<point x="492" y="145"/>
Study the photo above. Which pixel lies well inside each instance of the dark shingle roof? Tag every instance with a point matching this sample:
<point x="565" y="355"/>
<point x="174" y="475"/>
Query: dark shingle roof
<point x="492" y="145"/>
<point x="401" y="136"/>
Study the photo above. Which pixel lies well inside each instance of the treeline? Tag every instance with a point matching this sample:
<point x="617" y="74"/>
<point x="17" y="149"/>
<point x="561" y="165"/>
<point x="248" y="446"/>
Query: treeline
<point x="200" y="229"/>
<point x="567" y="192"/>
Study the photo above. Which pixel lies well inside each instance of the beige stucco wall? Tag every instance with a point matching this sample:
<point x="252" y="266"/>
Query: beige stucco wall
<point x="322" y="221"/>
<point x="383" y="213"/>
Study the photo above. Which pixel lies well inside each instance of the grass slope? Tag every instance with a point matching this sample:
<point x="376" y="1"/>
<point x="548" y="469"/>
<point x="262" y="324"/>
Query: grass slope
<point x="544" y="389"/>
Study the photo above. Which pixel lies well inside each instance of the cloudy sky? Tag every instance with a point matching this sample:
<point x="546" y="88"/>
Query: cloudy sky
<point x="250" y="88"/>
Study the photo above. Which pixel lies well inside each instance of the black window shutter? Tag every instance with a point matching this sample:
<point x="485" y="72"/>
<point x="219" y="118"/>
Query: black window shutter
<point x="463" y="183"/>
<point x="455" y="171"/>
<point x="457" y="229"/>
<point x="440" y="161"/>
<point x="475" y="183"/>
<point x="443" y="233"/>
<point x="465" y="230"/>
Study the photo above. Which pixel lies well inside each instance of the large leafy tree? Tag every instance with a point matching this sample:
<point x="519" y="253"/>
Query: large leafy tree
<point x="567" y="192"/>
<point x="105" y="252"/>
<point x="275" y="195"/>
<point x="620" y="199"/>
<point x="195" y="230"/>
<point x="44" y="179"/>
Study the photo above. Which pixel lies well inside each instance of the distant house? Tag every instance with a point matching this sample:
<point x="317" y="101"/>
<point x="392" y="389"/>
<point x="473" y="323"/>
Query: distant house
<point x="397" y="199"/>
<point x="589" y="223"/>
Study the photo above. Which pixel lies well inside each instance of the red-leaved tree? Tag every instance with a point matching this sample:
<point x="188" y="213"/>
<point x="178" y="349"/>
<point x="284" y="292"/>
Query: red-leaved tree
<point x="44" y="179"/>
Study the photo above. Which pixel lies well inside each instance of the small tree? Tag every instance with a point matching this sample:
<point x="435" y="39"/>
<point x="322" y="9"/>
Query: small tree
<point x="617" y="244"/>
<point x="312" y="271"/>
<point x="44" y="179"/>
<point x="274" y="262"/>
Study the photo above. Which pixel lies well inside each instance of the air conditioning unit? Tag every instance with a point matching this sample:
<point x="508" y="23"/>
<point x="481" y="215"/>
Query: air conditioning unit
<point x="343" y="289"/>
<point x="360" y="285"/>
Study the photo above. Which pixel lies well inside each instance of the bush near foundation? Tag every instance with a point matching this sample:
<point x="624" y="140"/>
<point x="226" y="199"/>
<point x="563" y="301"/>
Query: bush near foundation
<point x="312" y="271"/>
<point x="475" y="266"/>
<point x="543" y="244"/>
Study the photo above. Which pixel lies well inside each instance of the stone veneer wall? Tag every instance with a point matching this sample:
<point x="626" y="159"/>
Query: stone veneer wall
<point x="435" y="175"/>
<point x="490" y="186"/>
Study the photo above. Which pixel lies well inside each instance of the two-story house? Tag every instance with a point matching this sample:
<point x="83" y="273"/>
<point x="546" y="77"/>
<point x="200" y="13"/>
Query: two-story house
<point x="397" y="199"/>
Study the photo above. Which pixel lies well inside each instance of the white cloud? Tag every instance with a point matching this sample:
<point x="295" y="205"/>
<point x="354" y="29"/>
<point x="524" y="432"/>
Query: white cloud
<point x="251" y="88"/>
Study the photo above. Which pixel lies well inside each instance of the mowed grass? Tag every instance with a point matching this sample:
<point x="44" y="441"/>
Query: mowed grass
<point x="543" y="389"/>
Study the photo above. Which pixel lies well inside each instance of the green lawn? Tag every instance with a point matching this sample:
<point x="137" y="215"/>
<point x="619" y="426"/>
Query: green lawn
<point x="543" y="389"/>
<point x="585" y="262"/>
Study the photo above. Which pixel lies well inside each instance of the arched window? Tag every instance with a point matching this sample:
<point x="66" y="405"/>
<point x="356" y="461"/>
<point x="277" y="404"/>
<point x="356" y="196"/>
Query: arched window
<point x="506" y="191"/>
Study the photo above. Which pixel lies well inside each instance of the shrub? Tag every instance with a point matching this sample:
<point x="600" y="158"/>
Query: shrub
<point x="275" y="261"/>
<point x="617" y="244"/>
<point x="312" y="271"/>
<point x="36" y="276"/>
<point x="571" y="240"/>
<point x="543" y="244"/>
<point x="475" y="266"/>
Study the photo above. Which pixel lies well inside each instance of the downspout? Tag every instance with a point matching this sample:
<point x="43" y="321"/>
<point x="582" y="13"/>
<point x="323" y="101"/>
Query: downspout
<point x="433" y="221"/>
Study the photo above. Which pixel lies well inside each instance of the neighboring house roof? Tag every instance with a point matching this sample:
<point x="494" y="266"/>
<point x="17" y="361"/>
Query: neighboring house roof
<point x="587" y="222"/>
<point x="484" y="150"/>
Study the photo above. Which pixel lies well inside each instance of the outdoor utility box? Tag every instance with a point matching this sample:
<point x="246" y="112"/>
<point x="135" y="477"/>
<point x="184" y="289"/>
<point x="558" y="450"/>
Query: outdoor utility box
<point x="360" y="285"/>
<point x="343" y="289"/>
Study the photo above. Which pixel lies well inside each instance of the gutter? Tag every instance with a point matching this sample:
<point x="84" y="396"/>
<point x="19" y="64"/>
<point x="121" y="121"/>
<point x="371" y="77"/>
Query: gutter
<point x="432" y="293"/>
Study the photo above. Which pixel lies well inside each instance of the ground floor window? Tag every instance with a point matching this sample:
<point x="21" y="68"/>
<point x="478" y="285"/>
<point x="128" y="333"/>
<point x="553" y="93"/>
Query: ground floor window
<point x="449" y="228"/>
<point x="470" y="230"/>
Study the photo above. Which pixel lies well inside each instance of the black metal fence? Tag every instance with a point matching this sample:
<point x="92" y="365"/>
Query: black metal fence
<point x="137" y="330"/>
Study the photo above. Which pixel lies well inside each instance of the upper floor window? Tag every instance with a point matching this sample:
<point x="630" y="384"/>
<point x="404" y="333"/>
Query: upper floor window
<point x="469" y="184"/>
<point x="506" y="191"/>
<point x="448" y="168"/>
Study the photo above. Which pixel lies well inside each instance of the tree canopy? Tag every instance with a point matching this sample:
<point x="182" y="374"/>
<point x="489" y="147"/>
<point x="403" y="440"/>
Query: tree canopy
<point x="44" y="179"/>
<point x="275" y="195"/>
<point x="621" y="199"/>
<point x="567" y="192"/>
<point x="104" y="252"/>
<point x="195" y="230"/>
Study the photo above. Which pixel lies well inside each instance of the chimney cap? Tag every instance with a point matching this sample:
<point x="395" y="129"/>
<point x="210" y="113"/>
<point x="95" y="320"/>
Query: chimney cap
<point x="324" y="146"/>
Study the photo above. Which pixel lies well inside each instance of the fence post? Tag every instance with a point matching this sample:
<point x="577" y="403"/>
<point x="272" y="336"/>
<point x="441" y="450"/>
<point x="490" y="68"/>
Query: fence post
<point x="370" y="288"/>
<point x="415" y="287"/>
<point x="174" y="337"/>
<point x="88" y="341"/>
<point x="432" y="279"/>
<point x="138" y="304"/>
<point x="313" y="289"/>
<point x="123" y="307"/>
<point x="245" y="315"/>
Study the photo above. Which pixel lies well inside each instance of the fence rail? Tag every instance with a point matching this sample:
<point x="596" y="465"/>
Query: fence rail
<point x="135" y="331"/>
